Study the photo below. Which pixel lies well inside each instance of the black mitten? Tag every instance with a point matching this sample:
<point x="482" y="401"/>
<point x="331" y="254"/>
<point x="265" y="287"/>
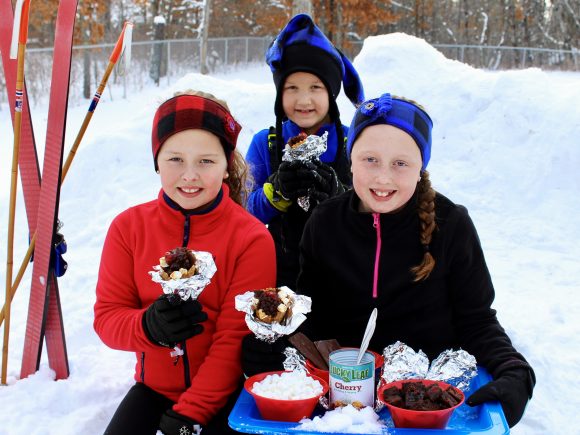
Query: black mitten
<point x="328" y="182"/>
<point x="169" y="320"/>
<point x="259" y="356"/>
<point x="513" y="388"/>
<point x="294" y="179"/>
<point x="173" y="423"/>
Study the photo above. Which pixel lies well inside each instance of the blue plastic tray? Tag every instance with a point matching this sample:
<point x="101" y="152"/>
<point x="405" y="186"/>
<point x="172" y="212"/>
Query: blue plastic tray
<point x="485" y="419"/>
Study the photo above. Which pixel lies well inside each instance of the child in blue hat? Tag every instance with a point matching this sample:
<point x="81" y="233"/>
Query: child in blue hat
<point x="395" y="244"/>
<point x="308" y="73"/>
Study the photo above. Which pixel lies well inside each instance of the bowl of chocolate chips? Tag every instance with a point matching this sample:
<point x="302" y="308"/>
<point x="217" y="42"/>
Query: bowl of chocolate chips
<point x="420" y="403"/>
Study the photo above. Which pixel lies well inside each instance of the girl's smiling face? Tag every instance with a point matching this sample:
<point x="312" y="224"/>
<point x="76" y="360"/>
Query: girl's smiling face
<point x="386" y="166"/>
<point x="192" y="166"/>
<point x="305" y="101"/>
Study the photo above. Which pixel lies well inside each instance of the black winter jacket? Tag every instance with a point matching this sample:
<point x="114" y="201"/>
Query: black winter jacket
<point x="451" y="309"/>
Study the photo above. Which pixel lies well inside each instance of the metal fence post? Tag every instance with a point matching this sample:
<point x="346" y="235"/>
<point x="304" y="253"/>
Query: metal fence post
<point x="200" y="55"/>
<point x="168" y="63"/>
<point x="226" y="48"/>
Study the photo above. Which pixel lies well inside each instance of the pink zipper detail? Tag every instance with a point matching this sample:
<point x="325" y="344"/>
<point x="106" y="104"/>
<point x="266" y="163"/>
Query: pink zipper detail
<point x="377" y="225"/>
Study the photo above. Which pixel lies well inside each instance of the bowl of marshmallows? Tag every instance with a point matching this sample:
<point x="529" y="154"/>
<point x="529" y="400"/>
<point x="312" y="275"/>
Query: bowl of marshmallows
<point x="285" y="395"/>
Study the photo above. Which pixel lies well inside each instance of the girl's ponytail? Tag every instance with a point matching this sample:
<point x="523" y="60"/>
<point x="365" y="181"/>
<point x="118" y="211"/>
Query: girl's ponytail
<point x="426" y="209"/>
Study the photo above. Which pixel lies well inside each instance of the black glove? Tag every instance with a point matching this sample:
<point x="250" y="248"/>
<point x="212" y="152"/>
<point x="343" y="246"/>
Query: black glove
<point x="259" y="356"/>
<point x="173" y="423"/>
<point x="294" y="179"/>
<point x="170" y="320"/>
<point x="328" y="183"/>
<point x="513" y="389"/>
<point x="316" y="197"/>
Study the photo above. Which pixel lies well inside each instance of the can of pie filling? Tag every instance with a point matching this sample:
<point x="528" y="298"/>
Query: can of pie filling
<point x="351" y="383"/>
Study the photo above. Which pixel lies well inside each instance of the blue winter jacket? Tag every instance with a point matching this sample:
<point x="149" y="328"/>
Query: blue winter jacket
<point x="258" y="158"/>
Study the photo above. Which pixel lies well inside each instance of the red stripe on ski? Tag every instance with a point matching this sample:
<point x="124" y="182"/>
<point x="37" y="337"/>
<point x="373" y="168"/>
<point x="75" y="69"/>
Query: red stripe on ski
<point x="54" y="332"/>
<point x="44" y="306"/>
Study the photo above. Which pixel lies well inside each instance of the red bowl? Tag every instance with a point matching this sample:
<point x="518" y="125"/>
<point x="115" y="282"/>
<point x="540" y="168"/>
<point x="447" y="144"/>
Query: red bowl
<point x="419" y="419"/>
<point x="280" y="409"/>
<point x="312" y="369"/>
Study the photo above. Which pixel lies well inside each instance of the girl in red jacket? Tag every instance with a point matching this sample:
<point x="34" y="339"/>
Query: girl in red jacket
<point x="199" y="207"/>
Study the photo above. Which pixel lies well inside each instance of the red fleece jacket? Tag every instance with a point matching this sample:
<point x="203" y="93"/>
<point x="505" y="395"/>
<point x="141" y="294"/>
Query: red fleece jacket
<point x="244" y="254"/>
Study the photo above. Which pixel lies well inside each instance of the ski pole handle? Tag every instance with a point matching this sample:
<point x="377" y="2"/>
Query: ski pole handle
<point x="20" y="26"/>
<point x="126" y="35"/>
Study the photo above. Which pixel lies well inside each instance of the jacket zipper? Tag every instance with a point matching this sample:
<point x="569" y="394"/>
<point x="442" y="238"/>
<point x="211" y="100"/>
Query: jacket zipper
<point x="186" y="371"/>
<point x="143" y="367"/>
<point x="186" y="231"/>
<point x="377" y="226"/>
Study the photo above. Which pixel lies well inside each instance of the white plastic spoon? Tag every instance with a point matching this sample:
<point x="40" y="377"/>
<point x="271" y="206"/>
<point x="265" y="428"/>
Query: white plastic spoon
<point x="368" y="335"/>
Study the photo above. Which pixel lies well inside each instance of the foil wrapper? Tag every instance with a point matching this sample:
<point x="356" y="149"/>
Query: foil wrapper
<point x="270" y="332"/>
<point x="294" y="361"/>
<point x="402" y="362"/>
<point x="188" y="287"/>
<point x="456" y="367"/>
<point x="313" y="147"/>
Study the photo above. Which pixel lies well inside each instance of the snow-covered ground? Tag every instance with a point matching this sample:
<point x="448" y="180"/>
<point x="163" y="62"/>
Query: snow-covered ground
<point x="506" y="145"/>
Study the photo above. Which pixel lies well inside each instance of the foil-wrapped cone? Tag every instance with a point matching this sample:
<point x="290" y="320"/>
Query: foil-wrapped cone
<point x="188" y="287"/>
<point x="402" y="362"/>
<point x="269" y="332"/>
<point x="313" y="147"/>
<point x="294" y="361"/>
<point x="456" y="367"/>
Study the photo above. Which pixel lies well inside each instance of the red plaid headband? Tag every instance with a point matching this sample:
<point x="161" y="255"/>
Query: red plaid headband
<point x="185" y="112"/>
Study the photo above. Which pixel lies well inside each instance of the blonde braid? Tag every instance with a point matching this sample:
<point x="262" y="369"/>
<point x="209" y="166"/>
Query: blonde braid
<point x="426" y="209"/>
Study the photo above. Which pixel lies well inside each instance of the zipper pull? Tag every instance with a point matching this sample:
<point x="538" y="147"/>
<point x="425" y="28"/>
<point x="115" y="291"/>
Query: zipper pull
<point x="377" y="226"/>
<point x="176" y="354"/>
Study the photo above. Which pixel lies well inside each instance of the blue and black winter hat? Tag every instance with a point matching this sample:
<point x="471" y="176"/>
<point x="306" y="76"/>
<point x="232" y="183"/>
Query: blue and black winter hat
<point x="397" y="112"/>
<point x="301" y="46"/>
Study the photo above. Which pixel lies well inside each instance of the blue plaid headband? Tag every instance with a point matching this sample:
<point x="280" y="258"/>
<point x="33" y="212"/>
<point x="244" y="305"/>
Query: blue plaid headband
<point x="399" y="113"/>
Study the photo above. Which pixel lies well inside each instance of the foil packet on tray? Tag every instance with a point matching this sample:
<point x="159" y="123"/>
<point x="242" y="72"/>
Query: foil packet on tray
<point x="188" y="281"/>
<point x="308" y="148"/>
<point x="273" y="312"/>
<point x="456" y="367"/>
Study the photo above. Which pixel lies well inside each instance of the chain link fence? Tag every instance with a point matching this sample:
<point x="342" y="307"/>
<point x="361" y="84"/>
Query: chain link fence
<point x="181" y="56"/>
<point x="178" y="57"/>
<point x="502" y="58"/>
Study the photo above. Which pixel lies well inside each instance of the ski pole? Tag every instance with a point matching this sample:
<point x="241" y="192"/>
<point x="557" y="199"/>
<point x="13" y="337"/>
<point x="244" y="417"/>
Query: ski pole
<point x="123" y="45"/>
<point x="17" y="50"/>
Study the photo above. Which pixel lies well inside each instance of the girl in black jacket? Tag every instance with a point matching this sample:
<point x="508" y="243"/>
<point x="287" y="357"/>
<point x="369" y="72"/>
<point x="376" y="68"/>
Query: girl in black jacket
<point x="395" y="244"/>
